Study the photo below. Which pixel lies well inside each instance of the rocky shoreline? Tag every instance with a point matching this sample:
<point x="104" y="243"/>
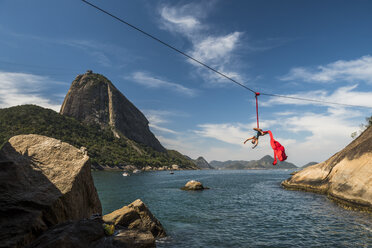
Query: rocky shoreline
<point x="132" y="168"/>
<point x="48" y="199"/>
<point x="346" y="177"/>
<point x="342" y="202"/>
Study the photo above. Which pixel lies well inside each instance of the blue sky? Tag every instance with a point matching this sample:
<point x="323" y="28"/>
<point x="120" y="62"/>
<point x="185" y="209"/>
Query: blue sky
<point x="311" y="49"/>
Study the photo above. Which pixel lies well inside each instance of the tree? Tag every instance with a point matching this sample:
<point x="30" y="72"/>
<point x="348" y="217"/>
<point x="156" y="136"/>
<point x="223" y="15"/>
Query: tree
<point x="362" y="127"/>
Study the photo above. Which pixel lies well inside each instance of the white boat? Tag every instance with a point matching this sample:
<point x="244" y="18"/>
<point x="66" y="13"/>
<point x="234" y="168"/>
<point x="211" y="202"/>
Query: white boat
<point x="126" y="174"/>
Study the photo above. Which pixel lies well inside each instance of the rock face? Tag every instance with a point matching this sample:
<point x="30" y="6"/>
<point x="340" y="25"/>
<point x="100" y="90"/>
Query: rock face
<point x="202" y="163"/>
<point x="89" y="233"/>
<point x="345" y="177"/>
<point x="309" y="164"/>
<point x="43" y="182"/>
<point x="194" y="185"/>
<point x="93" y="99"/>
<point x="138" y="217"/>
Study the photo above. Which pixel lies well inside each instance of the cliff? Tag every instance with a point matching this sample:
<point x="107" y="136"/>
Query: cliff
<point x="93" y="99"/>
<point x="346" y="177"/>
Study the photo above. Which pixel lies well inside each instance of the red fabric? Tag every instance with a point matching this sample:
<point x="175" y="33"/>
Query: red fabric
<point x="257" y="94"/>
<point x="279" y="151"/>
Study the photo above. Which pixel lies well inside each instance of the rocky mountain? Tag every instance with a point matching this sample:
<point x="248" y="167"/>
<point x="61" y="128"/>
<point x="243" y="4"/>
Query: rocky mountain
<point x="202" y="163"/>
<point x="309" y="164"/>
<point x="346" y="177"/>
<point x="263" y="163"/>
<point x="105" y="151"/>
<point x="93" y="99"/>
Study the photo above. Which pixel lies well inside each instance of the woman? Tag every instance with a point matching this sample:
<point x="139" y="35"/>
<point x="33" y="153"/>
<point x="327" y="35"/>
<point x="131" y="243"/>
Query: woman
<point x="255" y="138"/>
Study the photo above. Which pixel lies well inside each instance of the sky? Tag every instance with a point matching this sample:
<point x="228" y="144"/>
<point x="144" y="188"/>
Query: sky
<point x="320" y="49"/>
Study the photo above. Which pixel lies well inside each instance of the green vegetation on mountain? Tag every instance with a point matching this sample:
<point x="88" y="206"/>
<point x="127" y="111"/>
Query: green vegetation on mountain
<point x="103" y="148"/>
<point x="362" y="127"/>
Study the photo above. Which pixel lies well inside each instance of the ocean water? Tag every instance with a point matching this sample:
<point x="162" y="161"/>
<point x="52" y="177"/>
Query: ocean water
<point x="244" y="208"/>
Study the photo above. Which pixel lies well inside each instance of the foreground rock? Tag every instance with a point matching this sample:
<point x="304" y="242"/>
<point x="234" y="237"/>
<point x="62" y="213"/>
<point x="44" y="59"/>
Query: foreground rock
<point x="136" y="216"/>
<point x="194" y="185"/>
<point x="346" y="177"/>
<point x="89" y="233"/>
<point x="43" y="182"/>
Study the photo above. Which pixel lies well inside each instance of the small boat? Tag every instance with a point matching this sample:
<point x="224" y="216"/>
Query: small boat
<point x="126" y="174"/>
<point x="171" y="172"/>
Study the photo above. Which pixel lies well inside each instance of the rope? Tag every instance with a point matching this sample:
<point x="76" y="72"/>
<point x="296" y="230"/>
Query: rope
<point x="257" y="94"/>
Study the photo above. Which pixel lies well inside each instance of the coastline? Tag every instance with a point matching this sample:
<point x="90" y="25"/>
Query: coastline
<point x="348" y="204"/>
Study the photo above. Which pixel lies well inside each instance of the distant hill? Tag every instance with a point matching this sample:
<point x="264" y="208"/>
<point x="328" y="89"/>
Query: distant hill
<point x="219" y="164"/>
<point x="263" y="163"/>
<point x="309" y="164"/>
<point x="202" y="163"/>
<point x="103" y="147"/>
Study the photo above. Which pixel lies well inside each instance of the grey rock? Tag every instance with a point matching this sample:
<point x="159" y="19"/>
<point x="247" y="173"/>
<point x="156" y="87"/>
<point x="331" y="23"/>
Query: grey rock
<point x="90" y="233"/>
<point x="194" y="186"/>
<point x="43" y="182"/>
<point x="346" y="177"/>
<point x="136" y="216"/>
<point x="93" y="99"/>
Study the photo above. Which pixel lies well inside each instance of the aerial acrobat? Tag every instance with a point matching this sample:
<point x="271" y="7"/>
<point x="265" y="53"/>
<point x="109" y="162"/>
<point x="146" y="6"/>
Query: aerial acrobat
<point x="279" y="151"/>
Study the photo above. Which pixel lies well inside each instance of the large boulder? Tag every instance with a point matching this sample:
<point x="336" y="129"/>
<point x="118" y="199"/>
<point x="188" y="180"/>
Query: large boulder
<point x="194" y="185"/>
<point x="136" y="216"/>
<point x="43" y="182"/>
<point x="90" y="233"/>
<point x="346" y="177"/>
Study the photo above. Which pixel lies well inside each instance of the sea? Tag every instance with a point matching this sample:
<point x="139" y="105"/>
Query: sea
<point x="242" y="208"/>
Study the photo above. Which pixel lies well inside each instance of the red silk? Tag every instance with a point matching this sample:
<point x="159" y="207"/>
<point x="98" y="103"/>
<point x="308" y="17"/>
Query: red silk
<point x="279" y="151"/>
<point x="257" y="94"/>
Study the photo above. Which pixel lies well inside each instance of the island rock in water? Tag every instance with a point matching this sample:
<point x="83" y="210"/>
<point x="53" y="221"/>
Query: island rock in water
<point x="93" y="99"/>
<point x="346" y="177"/>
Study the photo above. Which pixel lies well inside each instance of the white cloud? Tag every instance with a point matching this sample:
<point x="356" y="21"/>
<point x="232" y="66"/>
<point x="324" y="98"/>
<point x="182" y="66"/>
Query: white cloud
<point x="159" y="118"/>
<point x="173" y="20"/>
<point x="185" y="19"/>
<point x="232" y="133"/>
<point x="151" y="81"/>
<point x="306" y="136"/>
<point x="350" y="71"/>
<point x="215" y="50"/>
<point x="24" y="88"/>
